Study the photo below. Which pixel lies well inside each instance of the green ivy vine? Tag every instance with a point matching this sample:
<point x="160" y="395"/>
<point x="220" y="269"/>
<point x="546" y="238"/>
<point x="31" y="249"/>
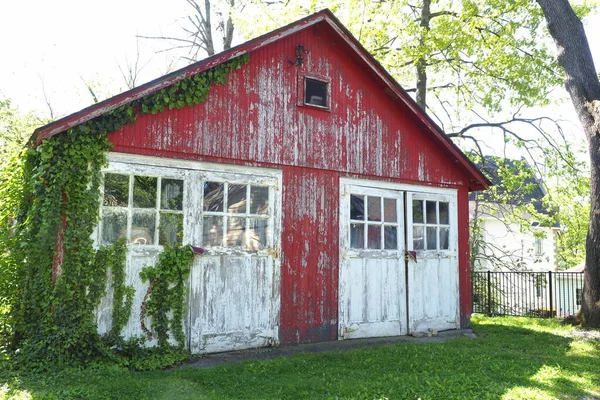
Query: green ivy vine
<point x="59" y="277"/>
<point x="113" y="259"/>
<point x="166" y="294"/>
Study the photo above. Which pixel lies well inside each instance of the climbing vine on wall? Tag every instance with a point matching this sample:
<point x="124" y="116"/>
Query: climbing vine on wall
<point x="60" y="277"/>
<point x="166" y="294"/>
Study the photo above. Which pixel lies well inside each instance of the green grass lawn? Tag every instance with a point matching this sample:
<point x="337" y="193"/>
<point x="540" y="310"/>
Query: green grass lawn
<point x="513" y="358"/>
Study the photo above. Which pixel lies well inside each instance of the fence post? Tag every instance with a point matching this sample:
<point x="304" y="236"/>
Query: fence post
<point x="489" y="293"/>
<point x="551" y="294"/>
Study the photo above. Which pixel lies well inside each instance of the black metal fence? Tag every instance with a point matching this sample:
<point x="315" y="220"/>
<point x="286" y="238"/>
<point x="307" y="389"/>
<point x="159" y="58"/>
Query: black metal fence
<point x="533" y="294"/>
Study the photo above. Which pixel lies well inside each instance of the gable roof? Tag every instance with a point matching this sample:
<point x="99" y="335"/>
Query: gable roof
<point x="477" y="181"/>
<point x="530" y="192"/>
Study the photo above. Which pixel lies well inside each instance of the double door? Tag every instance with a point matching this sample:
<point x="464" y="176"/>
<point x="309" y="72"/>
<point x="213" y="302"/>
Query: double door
<point x="398" y="260"/>
<point x="232" y="213"/>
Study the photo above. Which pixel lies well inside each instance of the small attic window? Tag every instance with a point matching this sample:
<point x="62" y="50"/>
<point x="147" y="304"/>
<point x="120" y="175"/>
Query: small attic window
<point x="316" y="93"/>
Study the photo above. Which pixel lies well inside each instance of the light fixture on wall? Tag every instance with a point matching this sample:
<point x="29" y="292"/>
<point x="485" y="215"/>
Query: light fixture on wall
<point x="300" y="52"/>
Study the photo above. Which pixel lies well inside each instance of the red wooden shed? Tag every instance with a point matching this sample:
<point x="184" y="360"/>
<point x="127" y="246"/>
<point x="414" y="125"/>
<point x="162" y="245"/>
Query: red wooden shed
<point x="329" y="205"/>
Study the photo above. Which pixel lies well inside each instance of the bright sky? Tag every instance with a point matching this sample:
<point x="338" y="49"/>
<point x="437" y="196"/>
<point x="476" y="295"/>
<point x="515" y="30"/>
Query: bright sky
<point x="53" y="46"/>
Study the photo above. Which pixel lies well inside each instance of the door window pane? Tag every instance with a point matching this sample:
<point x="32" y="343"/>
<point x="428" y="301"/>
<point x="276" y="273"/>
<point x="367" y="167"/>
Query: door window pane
<point x="374" y="236"/>
<point x="142" y="228"/>
<point x="259" y="200"/>
<point x="390" y="237"/>
<point x="212" y="231"/>
<point x="116" y="190"/>
<point x="418" y="239"/>
<point x="236" y="199"/>
<point x="357" y="207"/>
<point x="374" y="208"/>
<point x="357" y="236"/>
<point x="389" y="210"/>
<point x="431" y="212"/>
<point x="114" y="225"/>
<point x="444" y="213"/>
<point x="258" y="230"/>
<point x="171" y="194"/>
<point x="431" y="238"/>
<point x="170" y="230"/>
<point x="144" y="192"/>
<point x="213" y="196"/>
<point x="236" y="227"/>
<point x="417" y="211"/>
<point x="444" y="238"/>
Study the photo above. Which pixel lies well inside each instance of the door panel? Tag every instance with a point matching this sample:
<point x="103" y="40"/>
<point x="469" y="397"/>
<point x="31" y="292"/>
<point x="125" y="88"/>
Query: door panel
<point x="372" y="296"/>
<point x="433" y="275"/>
<point x="234" y="285"/>
<point x="233" y="300"/>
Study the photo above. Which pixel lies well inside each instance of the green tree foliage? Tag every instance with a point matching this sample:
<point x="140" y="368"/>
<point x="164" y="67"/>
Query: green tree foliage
<point x="485" y="54"/>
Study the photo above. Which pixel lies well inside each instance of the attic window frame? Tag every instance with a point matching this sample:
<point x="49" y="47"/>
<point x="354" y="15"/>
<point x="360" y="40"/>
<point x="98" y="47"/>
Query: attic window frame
<point x="302" y="91"/>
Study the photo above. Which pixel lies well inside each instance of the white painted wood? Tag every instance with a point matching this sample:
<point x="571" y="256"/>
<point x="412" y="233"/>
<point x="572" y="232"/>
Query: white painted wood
<point x="433" y="290"/>
<point x="372" y="296"/>
<point x="234" y="295"/>
<point x="403" y="187"/>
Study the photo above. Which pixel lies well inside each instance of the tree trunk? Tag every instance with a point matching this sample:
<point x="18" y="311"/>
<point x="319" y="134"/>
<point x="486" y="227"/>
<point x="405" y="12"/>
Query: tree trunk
<point x="228" y="29"/>
<point x="422" y="62"/>
<point x="584" y="89"/>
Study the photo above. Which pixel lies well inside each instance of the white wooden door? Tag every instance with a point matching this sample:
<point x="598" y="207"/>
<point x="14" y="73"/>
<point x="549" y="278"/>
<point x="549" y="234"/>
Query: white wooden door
<point x="433" y="274"/>
<point x="233" y="212"/>
<point x="372" y="294"/>
<point x="234" y="285"/>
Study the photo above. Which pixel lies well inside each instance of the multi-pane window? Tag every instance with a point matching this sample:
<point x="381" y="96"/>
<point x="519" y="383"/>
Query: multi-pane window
<point x="373" y="222"/>
<point x="146" y="210"/>
<point x="235" y="215"/>
<point x="539" y="249"/>
<point x="431" y="225"/>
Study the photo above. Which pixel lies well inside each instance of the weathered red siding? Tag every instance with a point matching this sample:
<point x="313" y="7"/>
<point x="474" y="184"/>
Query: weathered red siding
<point x="464" y="259"/>
<point x="256" y="119"/>
<point x="310" y="262"/>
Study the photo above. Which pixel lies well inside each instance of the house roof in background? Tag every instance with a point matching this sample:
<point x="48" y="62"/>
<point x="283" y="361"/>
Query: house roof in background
<point x="477" y="180"/>
<point x="531" y="191"/>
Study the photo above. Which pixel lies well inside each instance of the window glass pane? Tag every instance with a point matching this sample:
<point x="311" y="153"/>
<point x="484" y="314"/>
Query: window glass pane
<point x="142" y="228"/>
<point x="258" y="231"/>
<point x="417" y="207"/>
<point x="171" y="194"/>
<point x="431" y="238"/>
<point x="357" y="207"/>
<point x="315" y="92"/>
<point x="389" y="210"/>
<point x="418" y="239"/>
<point x="213" y="196"/>
<point x="116" y="190"/>
<point x="259" y="200"/>
<point x="144" y="192"/>
<point x="236" y="226"/>
<point x="114" y="225"/>
<point x="444" y="238"/>
<point x="373" y="236"/>
<point x="236" y="199"/>
<point x="431" y="212"/>
<point x="390" y="237"/>
<point x="374" y="208"/>
<point x="444" y="213"/>
<point x="212" y="231"/>
<point x="357" y="236"/>
<point x="170" y="230"/>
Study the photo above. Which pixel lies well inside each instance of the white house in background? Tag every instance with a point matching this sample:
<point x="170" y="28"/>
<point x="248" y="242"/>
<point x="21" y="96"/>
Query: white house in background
<point x="523" y="277"/>
<point x="569" y="290"/>
<point x="504" y="244"/>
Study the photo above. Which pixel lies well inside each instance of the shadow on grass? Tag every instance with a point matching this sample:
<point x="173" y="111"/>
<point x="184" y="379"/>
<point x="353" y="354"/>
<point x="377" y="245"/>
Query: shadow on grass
<point x="503" y="362"/>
